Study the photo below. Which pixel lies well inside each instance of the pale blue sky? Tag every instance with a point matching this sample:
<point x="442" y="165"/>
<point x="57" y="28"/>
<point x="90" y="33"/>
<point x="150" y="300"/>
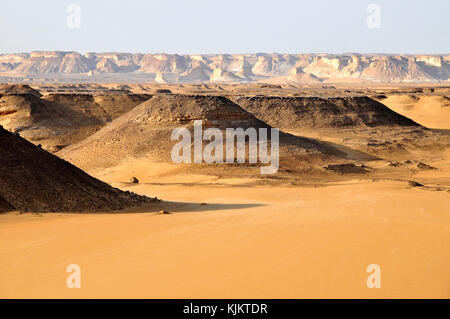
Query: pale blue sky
<point x="228" y="26"/>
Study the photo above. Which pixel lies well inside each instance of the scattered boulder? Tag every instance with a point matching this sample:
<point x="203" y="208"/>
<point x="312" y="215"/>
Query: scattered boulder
<point x="134" y="180"/>
<point x="424" y="166"/>
<point x="164" y="212"/>
<point x="414" y="184"/>
<point x="395" y="164"/>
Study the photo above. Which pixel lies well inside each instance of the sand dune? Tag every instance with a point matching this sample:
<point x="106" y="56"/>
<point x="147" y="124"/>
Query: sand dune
<point x="303" y="242"/>
<point x="431" y="111"/>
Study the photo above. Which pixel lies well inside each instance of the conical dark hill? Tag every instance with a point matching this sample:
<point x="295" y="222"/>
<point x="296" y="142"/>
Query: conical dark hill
<point x="31" y="179"/>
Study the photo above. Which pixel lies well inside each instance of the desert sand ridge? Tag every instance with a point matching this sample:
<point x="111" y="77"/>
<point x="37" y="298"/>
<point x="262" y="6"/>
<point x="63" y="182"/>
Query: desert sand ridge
<point x="31" y="179"/>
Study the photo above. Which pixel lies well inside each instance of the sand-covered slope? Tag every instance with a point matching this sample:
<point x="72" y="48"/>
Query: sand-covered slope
<point x="315" y="112"/>
<point x="145" y="132"/>
<point x="431" y="111"/>
<point x="32" y="179"/>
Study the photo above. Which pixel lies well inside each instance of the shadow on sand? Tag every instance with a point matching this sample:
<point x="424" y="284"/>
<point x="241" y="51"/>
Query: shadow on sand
<point x="353" y="154"/>
<point x="185" y="207"/>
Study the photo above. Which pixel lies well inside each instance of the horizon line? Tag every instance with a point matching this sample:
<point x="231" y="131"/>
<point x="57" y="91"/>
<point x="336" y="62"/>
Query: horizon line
<point x="222" y="53"/>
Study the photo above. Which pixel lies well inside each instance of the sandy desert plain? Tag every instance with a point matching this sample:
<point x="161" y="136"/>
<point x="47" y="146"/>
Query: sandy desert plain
<point x="364" y="179"/>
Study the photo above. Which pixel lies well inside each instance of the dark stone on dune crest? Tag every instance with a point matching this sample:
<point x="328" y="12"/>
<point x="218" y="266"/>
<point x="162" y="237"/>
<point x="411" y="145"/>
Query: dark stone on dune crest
<point x="134" y="180"/>
<point x="34" y="180"/>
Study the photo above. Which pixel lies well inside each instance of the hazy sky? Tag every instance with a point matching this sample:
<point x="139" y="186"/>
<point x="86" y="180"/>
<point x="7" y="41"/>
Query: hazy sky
<point x="227" y="26"/>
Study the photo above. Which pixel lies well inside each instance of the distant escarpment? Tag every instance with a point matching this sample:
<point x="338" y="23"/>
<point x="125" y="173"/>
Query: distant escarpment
<point x="191" y="68"/>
